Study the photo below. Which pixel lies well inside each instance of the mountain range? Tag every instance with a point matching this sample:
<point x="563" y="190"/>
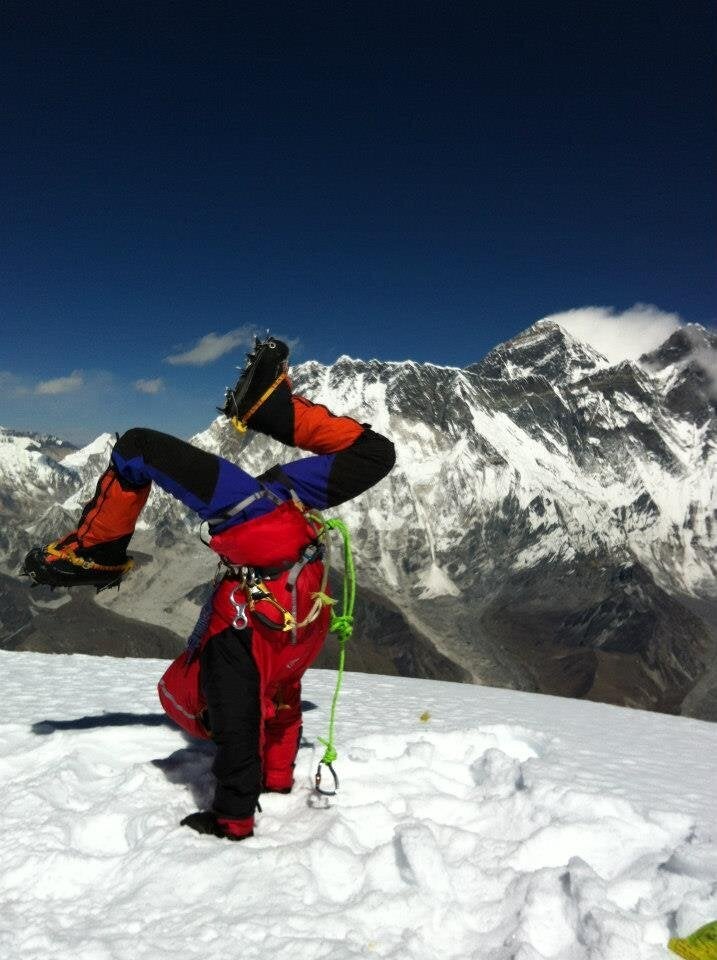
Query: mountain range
<point x="550" y="525"/>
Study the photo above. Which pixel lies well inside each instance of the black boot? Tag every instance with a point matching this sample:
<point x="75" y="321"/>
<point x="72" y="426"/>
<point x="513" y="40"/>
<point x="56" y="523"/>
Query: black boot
<point x="206" y="822"/>
<point x="265" y="366"/>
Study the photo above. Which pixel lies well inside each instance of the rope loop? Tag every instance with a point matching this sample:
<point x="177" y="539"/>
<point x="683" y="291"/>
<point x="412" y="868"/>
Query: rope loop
<point x="342" y="624"/>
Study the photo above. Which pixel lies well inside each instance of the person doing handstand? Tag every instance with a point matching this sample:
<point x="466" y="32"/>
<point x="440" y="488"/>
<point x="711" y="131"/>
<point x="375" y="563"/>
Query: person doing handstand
<point x="241" y="682"/>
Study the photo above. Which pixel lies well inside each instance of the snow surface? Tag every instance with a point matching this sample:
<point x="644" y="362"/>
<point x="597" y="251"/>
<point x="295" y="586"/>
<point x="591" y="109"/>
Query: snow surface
<point x="23" y="464"/>
<point x="471" y="823"/>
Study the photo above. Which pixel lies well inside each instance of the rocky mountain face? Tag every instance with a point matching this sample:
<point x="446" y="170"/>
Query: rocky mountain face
<point x="551" y="523"/>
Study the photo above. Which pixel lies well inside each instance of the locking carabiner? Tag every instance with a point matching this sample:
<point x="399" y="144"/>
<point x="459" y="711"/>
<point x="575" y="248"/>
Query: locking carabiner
<point x="317" y="780"/>
<point x="240" y="621"/>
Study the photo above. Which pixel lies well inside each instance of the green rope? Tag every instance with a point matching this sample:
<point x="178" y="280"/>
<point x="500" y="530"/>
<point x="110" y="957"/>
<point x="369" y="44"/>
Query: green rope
<point x="342" y="625"/>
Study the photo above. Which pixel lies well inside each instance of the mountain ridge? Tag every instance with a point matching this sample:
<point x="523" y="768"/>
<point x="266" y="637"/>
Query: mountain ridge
<point x="552" y="476"/>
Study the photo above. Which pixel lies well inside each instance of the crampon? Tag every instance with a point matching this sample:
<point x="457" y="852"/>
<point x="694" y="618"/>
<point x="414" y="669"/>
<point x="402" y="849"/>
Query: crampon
<point x="264" y="371"/>
<point x="62" y="567"/>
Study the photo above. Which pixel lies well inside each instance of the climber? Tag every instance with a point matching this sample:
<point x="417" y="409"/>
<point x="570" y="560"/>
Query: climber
<point x="263" y="627"/>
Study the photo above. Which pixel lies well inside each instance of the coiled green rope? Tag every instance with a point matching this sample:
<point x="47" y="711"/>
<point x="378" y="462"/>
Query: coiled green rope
<point x="342" y="625"/>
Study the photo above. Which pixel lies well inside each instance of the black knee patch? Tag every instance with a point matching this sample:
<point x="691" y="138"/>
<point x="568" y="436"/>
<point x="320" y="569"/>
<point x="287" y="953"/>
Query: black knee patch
<point x="230" y="681"/>
<point x="369" y="459"/>
<point x="195" y="470"/>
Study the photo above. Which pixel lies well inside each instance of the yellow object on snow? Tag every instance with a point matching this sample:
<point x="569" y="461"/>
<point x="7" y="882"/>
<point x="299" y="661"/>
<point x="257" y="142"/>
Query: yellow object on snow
<point x="700" y="945"/>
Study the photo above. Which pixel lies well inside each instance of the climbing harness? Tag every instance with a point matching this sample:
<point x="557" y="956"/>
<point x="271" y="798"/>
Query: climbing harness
<point x="251" y="585"/>
<point x="252" y="580"/>
<point x="342" y="625"/>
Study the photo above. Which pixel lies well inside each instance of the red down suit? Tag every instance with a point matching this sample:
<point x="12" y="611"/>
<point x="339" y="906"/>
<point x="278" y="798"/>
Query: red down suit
<point x="238" y="683"/>
<point x="242" y="687"/>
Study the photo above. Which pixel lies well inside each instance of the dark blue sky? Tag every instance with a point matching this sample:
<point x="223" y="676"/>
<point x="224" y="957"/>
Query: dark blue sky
<point x="398" y="180"/>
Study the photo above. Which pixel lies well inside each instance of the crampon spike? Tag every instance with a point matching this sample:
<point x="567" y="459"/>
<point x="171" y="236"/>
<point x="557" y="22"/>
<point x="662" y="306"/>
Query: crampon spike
<point x="106" y="586"/>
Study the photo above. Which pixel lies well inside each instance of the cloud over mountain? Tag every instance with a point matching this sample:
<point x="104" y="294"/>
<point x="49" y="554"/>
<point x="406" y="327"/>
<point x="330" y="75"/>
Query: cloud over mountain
<point x="61" y="384"/>
<point x="211" y="347"/>
<point x="149" y="386"/>
<point x="619" y="336"/>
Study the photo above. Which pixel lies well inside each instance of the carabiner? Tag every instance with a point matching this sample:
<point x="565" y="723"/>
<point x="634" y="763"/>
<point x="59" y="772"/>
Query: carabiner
<point x="240" y="621"/>
<point x="317" y="780"/>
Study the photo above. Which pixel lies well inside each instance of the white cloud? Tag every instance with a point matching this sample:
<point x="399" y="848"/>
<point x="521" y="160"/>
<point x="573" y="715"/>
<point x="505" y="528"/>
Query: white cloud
<point x="149" y="386"/>
<point x="11" y="385"/>
<point x="211" y="347"/>
<point x="61" y="384"/>
<point x="619" y="336"/>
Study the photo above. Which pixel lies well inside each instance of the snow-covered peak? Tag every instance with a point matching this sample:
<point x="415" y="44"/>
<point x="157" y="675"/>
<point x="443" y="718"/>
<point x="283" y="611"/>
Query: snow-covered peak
<point x="47" y="442"/>
<point x="26" y="472"/>
<point x="100" y="447"/>
<point x="206" y="439"/>
<point x="520" y="491"/>
<point x="12" y="440"/>
<point x="346" y="365"/>
<point x="545" y="349"/>
<point x="692" y="340"/>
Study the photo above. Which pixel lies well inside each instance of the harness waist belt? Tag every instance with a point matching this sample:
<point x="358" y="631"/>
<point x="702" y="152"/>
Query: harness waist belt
<point x="230" y="512"/>
<point x="271" y="573"/>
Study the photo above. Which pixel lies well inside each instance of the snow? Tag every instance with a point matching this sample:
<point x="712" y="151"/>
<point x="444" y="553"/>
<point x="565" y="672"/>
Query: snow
<point x="435" y="582"/>
<point x="22" y="462"/>
<point x="471" y="823"/>
<point x="9" y="443"/>
<point x="101" y="445"/>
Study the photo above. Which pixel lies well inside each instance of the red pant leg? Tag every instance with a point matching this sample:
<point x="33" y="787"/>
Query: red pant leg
<point x="112" y="513"/>
<point x="319" y="430"/>
<point x="281" y="662"/>
<point x="282" y="735"/>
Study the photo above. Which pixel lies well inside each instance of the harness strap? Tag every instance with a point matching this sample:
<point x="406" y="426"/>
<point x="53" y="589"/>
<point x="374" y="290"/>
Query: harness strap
<point x="264" y="493"/>
<point x="312" y="552"/>
<point x="251" y="580"/>
<point x="67" y="553"/>
<point x="276" y="474"/>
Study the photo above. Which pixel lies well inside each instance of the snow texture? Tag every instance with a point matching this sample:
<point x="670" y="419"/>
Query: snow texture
<point x="471" y="823"/>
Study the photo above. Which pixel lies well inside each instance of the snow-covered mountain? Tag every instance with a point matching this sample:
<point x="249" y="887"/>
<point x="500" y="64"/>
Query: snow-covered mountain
<point x="470" y="824"/>
<point x="551" y="523"/>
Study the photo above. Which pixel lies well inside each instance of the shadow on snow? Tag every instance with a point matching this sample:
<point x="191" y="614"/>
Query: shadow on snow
<point x="189" y="766"/>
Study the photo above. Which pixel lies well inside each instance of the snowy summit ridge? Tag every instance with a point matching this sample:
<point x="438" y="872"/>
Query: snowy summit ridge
<point x="545" y="349"/>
